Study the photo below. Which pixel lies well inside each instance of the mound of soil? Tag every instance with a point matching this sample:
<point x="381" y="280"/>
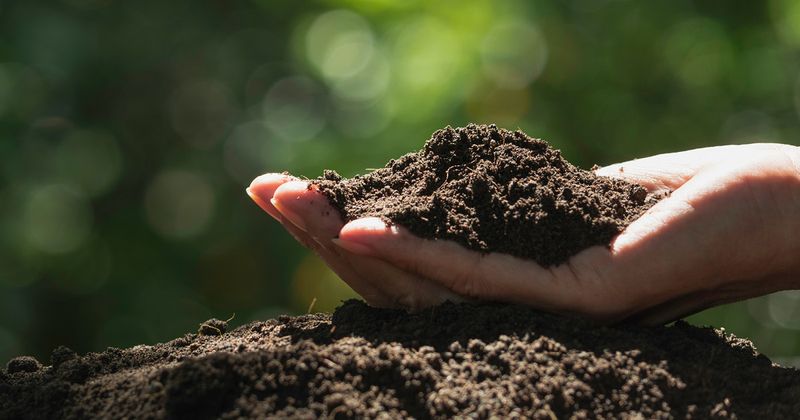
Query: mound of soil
<point x="491" y="189"/>
<point x="452" y="360"/>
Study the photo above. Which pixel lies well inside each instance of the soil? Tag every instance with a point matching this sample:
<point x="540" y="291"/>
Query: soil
<point x="491" y="189"/>
<point x="452" y="360"/>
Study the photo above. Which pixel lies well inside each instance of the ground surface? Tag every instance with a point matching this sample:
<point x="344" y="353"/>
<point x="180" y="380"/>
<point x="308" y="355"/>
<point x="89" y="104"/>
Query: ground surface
<point x="446" y="361"/>
<point x="491" y="189"/>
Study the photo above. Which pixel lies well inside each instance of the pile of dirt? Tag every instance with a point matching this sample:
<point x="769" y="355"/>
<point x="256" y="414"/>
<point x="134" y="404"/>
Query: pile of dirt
<point x="452" y="360"/>
<point x="491" y="189"/>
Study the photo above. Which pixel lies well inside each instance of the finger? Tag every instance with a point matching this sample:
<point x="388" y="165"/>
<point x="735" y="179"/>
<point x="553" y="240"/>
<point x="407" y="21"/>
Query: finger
<point x="672" y="310"/>
<point x="304" y="205"/>
<point x="669" y="171"/>
<point x="681" y="308"/>
<point x="262" y="189"/>
<point x="310" y="218"/>
<point x="339" y="263"/>
<point x="695" y="302"/>
<point x="684" y="243"/>
<point x="308" y="209"/>
<point x="407" y="291"/>
<point x="467" y="273"/>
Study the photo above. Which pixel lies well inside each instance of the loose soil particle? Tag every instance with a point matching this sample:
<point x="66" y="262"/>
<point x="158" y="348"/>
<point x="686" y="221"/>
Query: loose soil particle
<point x="452" y="360"/>
<point x="491" y="189"/>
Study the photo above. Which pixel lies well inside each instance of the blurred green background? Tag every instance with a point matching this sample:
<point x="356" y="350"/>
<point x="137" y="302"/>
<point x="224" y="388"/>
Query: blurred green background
<point x="129" y="130"/>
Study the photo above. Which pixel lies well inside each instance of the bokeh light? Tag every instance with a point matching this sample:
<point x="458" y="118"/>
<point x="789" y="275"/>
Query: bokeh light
<point x="21" y="91"/>
<point x="89" y="160"/>
<point x="784" y="309"/>
<point x="426" y="54"/>
<point x="57" y="44"/>
<point x="368" y="84"/>
<point x="786" y="14"/>
<point x="343" y="49"/>
<point x="179" y="204"/>
<point x="294" y="109"/>
<point x="316" y="287"/>
<point x="698" y="52"/>
<point x="340" y="44"/>
<point x="514" y="54"/>
<point x="249" y="151"/>
<point x="56" y="219"/>
<point x="201" y="112"/>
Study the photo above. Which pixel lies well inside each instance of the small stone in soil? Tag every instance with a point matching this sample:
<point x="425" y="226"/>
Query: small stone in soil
<point x="213" y="326"/>
<point x="23" y="364"/>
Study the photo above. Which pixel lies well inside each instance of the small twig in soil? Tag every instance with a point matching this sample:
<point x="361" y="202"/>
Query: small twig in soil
<point x="311" y="306"/>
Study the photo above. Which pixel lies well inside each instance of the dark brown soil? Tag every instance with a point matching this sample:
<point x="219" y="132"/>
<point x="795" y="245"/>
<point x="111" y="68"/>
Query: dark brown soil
<point x="491" y="189"/>
<point x="452" y="360"/>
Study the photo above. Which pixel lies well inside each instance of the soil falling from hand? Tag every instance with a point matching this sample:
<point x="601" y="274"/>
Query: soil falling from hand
<point x="493" y="190"/>
<point x="454" y="360"/>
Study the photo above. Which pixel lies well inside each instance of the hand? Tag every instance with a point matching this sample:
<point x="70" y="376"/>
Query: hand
<point x="311" y="220"/>
<point x="730" y="230"/>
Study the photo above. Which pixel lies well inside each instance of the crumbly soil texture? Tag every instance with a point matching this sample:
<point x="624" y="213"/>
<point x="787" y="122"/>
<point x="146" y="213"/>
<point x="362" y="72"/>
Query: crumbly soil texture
<point x="455" y="360"/>
<point x="493" y="190"/>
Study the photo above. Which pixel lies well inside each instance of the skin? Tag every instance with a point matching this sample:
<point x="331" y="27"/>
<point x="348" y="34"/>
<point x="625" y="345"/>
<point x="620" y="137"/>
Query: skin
<point x="730" y="230"/>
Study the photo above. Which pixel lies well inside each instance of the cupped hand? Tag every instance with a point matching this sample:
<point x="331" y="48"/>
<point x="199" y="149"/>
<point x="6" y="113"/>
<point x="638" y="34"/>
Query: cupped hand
<point x="729" y="230"/>
<point x="311" y="220"/>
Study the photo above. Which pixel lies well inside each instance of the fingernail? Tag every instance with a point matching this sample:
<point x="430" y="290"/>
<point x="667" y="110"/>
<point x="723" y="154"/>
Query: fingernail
<point x="270" y="178"/>
<point x="288" y="214"/>
<point x="250" y="193"/>
<point x="258" y="200"/>
<point x="369" y="224"/>
<point x="354" y="247"/>
<point x="262" y="204"/>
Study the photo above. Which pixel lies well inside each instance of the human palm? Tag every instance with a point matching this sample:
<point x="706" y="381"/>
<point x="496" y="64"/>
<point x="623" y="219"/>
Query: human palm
<point x="729" y="230"/>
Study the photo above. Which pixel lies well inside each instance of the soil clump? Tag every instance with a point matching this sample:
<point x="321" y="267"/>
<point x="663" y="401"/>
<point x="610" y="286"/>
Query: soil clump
<point x="491" y="189"/>
<point x="452" y="360"/>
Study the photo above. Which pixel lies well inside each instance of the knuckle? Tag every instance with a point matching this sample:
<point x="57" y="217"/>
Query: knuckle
<point x="469" y="280"/>
<point x="599" y="294"/>
<point x="412" y="265"/>
<point x="596" y="299"/>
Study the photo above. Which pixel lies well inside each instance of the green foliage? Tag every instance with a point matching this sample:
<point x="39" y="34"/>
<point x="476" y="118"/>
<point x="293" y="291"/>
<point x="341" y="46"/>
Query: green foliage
<point x="128" y="131"/>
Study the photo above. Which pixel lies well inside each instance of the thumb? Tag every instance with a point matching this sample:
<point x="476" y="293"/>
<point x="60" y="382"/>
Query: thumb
<point x="669" y="171"/>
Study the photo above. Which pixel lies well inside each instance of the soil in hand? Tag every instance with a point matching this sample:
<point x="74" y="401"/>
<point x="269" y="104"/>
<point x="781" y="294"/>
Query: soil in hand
<point x="491" y="189"/>
<point x="452" y="360"/>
